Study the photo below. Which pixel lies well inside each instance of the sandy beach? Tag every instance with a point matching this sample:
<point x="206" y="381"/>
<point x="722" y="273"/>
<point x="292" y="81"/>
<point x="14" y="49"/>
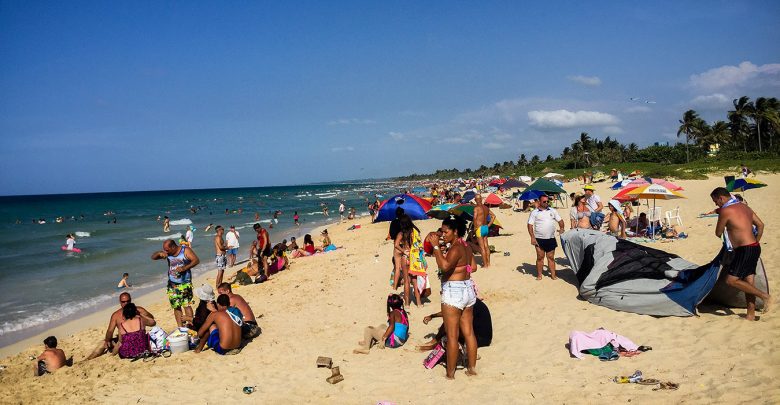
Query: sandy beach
<point x="320" y="306"/>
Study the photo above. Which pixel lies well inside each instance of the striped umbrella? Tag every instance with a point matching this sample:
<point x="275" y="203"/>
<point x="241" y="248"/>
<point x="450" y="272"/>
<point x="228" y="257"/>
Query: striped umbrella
<point x="743" y="185"/>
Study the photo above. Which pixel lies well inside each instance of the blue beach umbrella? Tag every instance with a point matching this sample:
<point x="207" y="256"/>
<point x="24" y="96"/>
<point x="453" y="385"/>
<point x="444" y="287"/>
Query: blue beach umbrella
<point x="529" y="195"/>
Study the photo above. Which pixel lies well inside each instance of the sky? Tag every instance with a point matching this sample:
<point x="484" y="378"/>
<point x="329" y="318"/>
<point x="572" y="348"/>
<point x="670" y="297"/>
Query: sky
<point x="121" y="96"/>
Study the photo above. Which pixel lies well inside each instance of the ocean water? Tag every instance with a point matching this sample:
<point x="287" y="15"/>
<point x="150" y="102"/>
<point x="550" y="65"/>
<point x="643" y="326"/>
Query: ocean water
<point x="44" y="286"/>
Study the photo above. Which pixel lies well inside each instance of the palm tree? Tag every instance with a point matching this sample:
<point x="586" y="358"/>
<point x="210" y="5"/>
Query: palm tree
<point x="689" y="125"/>
<point x="738" y="118"/>
<point x="766" y="111"/>
<point x="585" y="141"/>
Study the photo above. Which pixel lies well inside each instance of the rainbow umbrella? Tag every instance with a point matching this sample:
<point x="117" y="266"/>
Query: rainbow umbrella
<point x="654" y="192"/>
<point x="743" y="185"/>
<point x="623" y="195"/>
<point x="649" y="180"/>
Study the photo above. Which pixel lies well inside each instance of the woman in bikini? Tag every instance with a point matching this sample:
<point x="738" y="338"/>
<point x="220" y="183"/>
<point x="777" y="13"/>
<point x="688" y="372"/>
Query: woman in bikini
<point x="580" y="213"/>
<point x="457" y="292"/>
<point x="133" y="340"/>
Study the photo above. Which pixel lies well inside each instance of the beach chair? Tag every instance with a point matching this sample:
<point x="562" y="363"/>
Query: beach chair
<point x="654" y="214"/>
<point x="673" y="215"/>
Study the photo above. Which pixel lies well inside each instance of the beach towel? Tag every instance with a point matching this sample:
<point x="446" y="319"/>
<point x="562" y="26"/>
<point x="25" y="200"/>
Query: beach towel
<point x="417" y="264"/>
<point x="579" y="341"/>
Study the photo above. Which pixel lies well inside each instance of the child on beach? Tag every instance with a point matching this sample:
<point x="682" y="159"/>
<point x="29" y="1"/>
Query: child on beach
<point x="51" y="359"/>
<point x="124" y="282"/>
<point x="392" y="336"/>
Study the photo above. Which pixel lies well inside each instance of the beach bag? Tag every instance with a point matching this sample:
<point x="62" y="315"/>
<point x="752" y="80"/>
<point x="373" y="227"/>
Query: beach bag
<point x="596" y="219"/>
<point x="434" y="357"/>
<point x="158" y="339"/>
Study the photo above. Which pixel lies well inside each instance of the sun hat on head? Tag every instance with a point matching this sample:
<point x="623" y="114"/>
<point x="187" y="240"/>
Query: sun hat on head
<point x="205" y="292"/>
<point x="589" y="187"/>
<point x="615" y="204"/>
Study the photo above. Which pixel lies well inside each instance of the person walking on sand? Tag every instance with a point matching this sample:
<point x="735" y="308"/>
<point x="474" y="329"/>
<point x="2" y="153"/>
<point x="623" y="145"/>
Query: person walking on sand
<point x="181" y="260"/>
<point x="483" y="219"/>
<point x="541" y="228"/>
<point x="736" y="224"/>
<point x="166" y="224"/>
<point x="231" y="239"/>
<point x="220" y="253"/>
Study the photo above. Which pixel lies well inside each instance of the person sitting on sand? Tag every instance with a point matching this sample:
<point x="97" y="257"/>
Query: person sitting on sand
<point x="482" y="322"/>
<point x="639" y="223"/>
<point x="124" y="282"/>
<point x="293" y="245"/>
<point x="109" y="343"/>
<point x="278" y="260"/>
<point x="617" y="224"/>
<point x="133" y="340"/>
<point x="249" y="329"/>
<point x="393" y="335"/>
<point x="205" y="307"/>
<point x="221" y="330"/>
<point x="51" y="359"/>
<point x="308" y="247"/>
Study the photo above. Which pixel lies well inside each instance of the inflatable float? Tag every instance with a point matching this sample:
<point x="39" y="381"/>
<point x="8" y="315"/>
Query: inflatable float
<point x="75" y="249"/>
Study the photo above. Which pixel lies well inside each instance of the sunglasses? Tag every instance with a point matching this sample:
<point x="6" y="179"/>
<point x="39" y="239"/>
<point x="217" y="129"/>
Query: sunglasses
<point x="124" y="302"/>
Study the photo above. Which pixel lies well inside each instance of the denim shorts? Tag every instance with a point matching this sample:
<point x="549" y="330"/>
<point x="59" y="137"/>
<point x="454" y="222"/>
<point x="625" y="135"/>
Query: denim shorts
<point x="459" y="294"/>
<point x="233" y="251"/>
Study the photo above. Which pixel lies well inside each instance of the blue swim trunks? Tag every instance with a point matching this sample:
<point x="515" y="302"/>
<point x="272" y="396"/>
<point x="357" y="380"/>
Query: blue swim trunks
<point x="213" y="342"/>
<point x="233" y="251"/>
<point x="482" y="231"/>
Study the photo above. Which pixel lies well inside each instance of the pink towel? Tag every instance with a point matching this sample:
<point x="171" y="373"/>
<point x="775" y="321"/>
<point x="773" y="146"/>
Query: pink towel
<point x="579" y="341"/>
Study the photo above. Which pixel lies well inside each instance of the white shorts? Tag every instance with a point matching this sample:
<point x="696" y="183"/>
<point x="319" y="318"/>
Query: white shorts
<point x="459" y="294"/>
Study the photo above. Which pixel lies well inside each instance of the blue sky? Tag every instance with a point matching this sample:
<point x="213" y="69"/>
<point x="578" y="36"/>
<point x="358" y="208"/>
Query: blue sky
<point x="110" y="96"/>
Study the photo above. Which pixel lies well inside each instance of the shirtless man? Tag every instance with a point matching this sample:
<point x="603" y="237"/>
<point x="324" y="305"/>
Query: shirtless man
<point x="51" y="359"/>
<point x="481" y="228"/>
<point x="249" y="329"/>
<point x="219" y="330"/>
<point x="736" y="220"/>
<point x="617" y="224"/>
<point x="220" y="250"/>
<point x="109" y="343"/>
<point x="263" y="246"/>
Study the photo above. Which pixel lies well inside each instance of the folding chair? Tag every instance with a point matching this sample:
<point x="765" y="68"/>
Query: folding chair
<point x="673" y="215"/>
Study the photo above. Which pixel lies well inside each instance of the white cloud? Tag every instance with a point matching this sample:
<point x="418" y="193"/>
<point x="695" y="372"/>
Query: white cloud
<point x="613" y="130"/>
<point x="586" y="80"/>
<point x="570" y="119"/>
<point x="455" y="139"/>
<point x="342" y="149"/>
<point x="349" y="121"/>
<point x="398" y="136"/>
<point x="493" y="145"/>
<point x="638" y="109"/>
<point x="717" y="100"/>
<point x="729" y="77"/>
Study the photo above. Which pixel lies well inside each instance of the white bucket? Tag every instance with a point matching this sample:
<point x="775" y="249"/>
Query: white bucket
<point x="179" y="344"/>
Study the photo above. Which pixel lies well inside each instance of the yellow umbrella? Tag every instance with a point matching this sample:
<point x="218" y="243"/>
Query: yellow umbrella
<point x="654" y="192"/>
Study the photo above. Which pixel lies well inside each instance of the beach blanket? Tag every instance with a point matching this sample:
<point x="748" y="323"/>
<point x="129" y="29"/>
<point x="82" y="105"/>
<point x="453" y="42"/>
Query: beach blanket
<point x="417" y="264"/>
<point x="579" y="341"/>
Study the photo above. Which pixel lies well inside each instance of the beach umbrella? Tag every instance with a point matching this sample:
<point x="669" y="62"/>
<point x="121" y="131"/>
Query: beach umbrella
<point x="493" y="200"/>
<point x="512" y="183"/>
<point x="743" y="185"/>
<point x="621" y="184"/>
<point x="466" y="211"/>
<point x="413" y="206"/>
<point x="468" y="196"/>
<point x="497" y="182"/>
<point x="648" y="180"/>
<point x="623" y="195"/>
<point x="553" y="175"/>
<point x="441" y="211"/>
<point x="654" y="192"/>
<point x="525" y="179"/>
<point x="529" y="195"/>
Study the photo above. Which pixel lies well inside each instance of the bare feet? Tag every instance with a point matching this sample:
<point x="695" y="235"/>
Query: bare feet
<point x="361" y="343"/>
<point x="768" y="304"/>
<point x="471" y="372"/>
<point x="360" y="351"/>
<point x="538" y="277"/>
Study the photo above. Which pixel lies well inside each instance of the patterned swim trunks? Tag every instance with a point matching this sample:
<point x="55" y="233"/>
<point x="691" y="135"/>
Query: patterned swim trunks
<point x="221" y="261"/>
<point x="180" y="295"/>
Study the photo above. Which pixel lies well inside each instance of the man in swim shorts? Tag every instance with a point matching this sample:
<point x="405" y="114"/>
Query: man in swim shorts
<point x="109" y="343"/>
<point x="231" y="239"/>
<point x="220" y="249"/>
<point x="263" y="246"/>
<point x="181" y="260"/>
<point x="220" y="330"/>
<point x="541" y="228"/>
<point x="741" y="230"/>
<point x="483" y="219"/>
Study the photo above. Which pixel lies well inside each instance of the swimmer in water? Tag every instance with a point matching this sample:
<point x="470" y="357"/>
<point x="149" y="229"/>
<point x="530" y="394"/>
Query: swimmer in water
<point x="69" y="242"/>
<point x="124" y="282"/>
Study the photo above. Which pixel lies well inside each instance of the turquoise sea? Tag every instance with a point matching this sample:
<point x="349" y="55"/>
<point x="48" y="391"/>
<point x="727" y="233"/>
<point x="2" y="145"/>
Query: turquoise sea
<point x="44" y="286"/>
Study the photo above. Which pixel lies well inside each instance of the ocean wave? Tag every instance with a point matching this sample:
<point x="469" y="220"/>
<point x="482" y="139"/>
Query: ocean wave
<point x="53" y="313"/>
<point x="314" y="213"/>
<point x="81" y="234"/>
<point x="264" y="221"/>
<point x="183" y="221"/>
<point x="164" y="237"/>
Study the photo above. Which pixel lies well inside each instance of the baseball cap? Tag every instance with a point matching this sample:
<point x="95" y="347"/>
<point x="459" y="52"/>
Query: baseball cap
<point x="589" y="187"/>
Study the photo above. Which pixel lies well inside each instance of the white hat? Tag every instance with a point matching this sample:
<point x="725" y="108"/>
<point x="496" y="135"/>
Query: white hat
<point x="205" y="292"/>
<point x="615" y="204"/>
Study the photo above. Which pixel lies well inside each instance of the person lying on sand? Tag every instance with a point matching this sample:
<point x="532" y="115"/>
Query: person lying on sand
<point x="51" y="359"/>
<point x="393" y="335"/>
<point x="220" y="331"/>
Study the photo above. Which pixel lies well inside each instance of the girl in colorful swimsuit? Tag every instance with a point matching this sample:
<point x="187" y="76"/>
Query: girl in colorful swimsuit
<point x="458" y="294"/>
<point x="393" y="335"/>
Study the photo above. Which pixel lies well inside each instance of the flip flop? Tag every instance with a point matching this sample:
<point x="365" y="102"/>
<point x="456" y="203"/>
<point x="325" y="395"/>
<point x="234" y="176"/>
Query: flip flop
<point x="644" y="348"/>
<point x="604" y="356"/>
<point x="614" y="356"/>
<point x="648" y="381"/>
